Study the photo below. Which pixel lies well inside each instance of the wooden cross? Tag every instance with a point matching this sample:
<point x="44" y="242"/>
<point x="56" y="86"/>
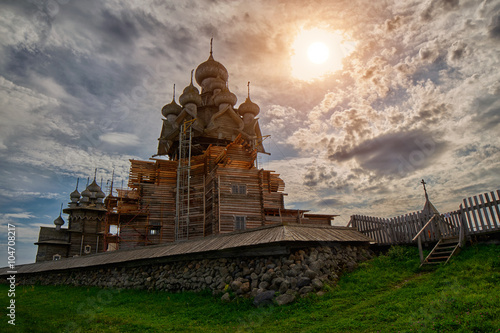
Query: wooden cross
<point x="425" y="190"/>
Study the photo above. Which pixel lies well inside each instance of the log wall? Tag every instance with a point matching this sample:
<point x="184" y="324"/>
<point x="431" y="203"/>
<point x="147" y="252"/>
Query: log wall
<point x="146" y="212"/>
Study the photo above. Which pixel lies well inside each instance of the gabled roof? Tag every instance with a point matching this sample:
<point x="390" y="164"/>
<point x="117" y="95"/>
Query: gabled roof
<point x="429" y="207"/>
<point x="295" y="234"/>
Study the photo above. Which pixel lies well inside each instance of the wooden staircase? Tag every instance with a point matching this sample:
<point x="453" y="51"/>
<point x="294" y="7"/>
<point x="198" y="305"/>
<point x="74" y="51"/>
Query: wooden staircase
<point x="443" y="251"/>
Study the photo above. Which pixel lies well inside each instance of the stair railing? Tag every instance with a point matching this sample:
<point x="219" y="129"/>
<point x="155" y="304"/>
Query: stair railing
<point x="419" y="240"/>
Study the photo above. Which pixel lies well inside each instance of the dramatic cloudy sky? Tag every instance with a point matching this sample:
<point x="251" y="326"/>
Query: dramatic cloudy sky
<point x="82" y="84"/>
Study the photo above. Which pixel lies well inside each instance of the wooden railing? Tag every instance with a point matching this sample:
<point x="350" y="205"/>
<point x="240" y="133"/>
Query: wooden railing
<point x="478" y="214"/>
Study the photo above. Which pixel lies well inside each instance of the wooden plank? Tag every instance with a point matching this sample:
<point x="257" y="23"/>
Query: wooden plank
<point x="448" y="226"/>
<point x="406" y="223"/>
<point x="485" y="211"/>
<point x="400" y="227"/>
<point x="373" y="228"/>
<point x="404" y="228"/>
<point x="465" y="219"/>
<point x="495" y="223"/>
<point x="473" y="213"/>
<point x="456" y="222"/>
<point x="393" y="232"/>
<point x="478" y="212"/>
<point x="433" y="231"/>
<point x="363" y="227"/>
<point x="420" y="224"/>
<point x="384" y="229"/>
<point x="218" y="203"/>
<point x="380" y="230"/>
<point x="496" y="204"/>
<point x="414" y="222"/>
<point x="402" y="224"/>
<point x="410" y="227"/>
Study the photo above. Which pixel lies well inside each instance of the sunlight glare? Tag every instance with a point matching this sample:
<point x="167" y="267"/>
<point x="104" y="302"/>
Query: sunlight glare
<point x="317" y="53"/>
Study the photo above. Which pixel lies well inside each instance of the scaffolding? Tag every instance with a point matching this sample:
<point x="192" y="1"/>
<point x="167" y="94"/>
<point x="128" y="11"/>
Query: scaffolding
<point x="183" y="181"/>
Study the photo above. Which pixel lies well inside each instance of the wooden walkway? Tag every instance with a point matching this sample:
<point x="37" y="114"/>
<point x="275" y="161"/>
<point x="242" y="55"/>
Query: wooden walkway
<point x="479" y="215"/>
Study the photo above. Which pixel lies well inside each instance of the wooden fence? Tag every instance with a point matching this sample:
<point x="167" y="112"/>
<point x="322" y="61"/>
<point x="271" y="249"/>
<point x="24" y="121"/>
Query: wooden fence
<point x="478" y="214"/>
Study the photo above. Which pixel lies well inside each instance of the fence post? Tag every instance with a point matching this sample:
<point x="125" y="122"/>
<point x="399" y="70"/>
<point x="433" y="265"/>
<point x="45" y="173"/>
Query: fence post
<point x="463" y="227"/>
<point x="420" y="252"/>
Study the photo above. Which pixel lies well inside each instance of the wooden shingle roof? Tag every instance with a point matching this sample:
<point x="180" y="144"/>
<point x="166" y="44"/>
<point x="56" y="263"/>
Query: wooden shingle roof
<point x="270" y="235"/>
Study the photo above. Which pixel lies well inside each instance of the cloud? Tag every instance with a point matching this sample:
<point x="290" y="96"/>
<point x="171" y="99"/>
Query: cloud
<point x="24" y="215"/>
<point x="120" y="139"/>
<point x="318" y="174"/>
<point x="23" y="194"/>
<point x="436" y="7"/>
<point x="457" y="51"/>
<point x="494" y="27"/>
<point x="395" y="153"/>
<point x="393" y="24"/>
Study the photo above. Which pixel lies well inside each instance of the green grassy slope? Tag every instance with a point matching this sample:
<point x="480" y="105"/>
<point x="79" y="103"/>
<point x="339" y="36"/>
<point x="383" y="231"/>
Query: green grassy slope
<point x="387" y="294"/>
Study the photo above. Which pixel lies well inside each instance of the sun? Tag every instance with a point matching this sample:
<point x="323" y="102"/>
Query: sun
<point x="318" y="52"/>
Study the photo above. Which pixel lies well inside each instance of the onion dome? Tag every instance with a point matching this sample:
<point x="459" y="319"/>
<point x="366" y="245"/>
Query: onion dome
<point x="213" y="83"/>
<point x="75" y="195"/>
<point x="249" y="106"/>
<point x="191" y="94"/>
<point x="86" y="194"/>
<point x="100" y="194"/>
<point x="210" y="68"/>
<point x="171" y="108"/>
<point x="93" y="187"/>
<point x="59" y="221"/>
<point x="225" y="96"/>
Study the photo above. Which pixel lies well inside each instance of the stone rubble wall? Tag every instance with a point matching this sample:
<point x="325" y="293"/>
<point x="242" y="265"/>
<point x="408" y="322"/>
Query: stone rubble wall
<point x="280" y="278"/>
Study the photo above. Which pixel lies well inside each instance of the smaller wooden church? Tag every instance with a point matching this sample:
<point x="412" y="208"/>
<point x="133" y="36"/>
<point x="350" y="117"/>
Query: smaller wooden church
<point x="203" y="181"/>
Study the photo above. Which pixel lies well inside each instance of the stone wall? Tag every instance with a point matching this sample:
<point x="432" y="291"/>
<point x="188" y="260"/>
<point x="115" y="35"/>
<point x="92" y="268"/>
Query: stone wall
<point x="281" y="277"/>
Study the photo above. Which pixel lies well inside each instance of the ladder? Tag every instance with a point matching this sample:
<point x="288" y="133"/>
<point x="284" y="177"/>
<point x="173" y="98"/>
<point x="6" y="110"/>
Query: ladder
<point x="443" y="251"/>
<point x="183" y="181"/>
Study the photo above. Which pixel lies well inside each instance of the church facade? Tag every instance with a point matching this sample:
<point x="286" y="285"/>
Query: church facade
<point x="203" y="181"/>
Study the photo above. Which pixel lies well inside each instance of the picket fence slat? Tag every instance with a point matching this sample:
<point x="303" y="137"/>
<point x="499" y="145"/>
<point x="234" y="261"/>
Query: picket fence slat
<point x="478" y="211"/>
<point x="497" y="202"/>
<point x="473" y="213"/>
<point x="485" y="211"/>
<point x="489" y="204"/>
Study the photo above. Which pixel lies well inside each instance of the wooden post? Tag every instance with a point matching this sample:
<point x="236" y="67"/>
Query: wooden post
<point x="218" y="201"/>
<point x="204" y="204"/>
<point x="261" y="191"/>
<point x="420" y="252"/>
<point x="81" y="245"/>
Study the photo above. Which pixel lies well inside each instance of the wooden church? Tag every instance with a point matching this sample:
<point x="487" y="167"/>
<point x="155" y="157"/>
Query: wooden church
<point x="203" y="181"/>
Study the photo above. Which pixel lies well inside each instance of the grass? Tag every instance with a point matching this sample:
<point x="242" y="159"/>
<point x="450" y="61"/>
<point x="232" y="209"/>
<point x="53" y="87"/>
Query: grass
<point x="387" y="294"/>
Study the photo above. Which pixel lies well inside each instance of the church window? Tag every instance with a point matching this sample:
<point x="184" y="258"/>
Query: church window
<point x="239" y="189"/>
<point x="154" y="231"/>
<point x="240" y="222"/>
